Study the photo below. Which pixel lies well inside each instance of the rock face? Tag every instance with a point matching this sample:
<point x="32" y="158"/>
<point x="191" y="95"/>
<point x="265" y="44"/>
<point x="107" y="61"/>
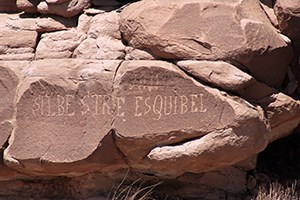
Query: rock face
<point x="287" y="12"/>
<point x="220" y="31"/>
<point x="182" y="121"/>
<point x="184" y="92"/>
<point x="65" y="8"/>
<point x="81" y="134"/>
<point x="102" y="42"/>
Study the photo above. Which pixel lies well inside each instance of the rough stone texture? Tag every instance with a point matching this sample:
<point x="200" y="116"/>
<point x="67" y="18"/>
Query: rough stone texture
<point x="29" y="6"/>
<point x="65" y="8"/>
<point x="102" y="42"/>
<point x="219" y="74"/>
<point x="222" y="30"/>
<point x="137" y="54"/>
<point x="8" y="6"/>
<point x="181" y="122"/>
<point x="8" y="85"/>
<point x="184" y="92"/>
<point x="69" y="133"/>
<point x="268" y="6"/>
<point x="287" y="12"/>
<point x="41" y="24"/>
<point x="17" y="44"/>
<point x="282" y="111"/>
<point x="59" y="44"/>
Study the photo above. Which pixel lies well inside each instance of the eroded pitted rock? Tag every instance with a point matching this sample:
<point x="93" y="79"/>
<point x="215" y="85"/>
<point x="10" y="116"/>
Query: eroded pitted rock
<point x="238" y="31"/>
<point x="65" y="8"/>
<point x="170" y="124"/>
<point x="63" y="119"/>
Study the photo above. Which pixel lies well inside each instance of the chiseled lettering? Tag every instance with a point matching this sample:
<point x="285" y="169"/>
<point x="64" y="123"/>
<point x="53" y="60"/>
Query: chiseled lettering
<point x="120" y="100"/>
<point x="201" y="104"/>
<point x="68" y="105"/>
<point x="137" y="100"/>
<point x="60" y="105"/>
<point x="175" y="105"/>
<point x="183" y="105"/>
<point x="85" y="106"/>
<point x="147" y="105"/>
<point x="158" y="106"/>
<point x="105" y="106"/>
<point x="168" y="109"/>
<point x="37" y="105"/>
<point x="48" y="106"/>
<point x="194" y="108"/>
<point x="96" y="103"/>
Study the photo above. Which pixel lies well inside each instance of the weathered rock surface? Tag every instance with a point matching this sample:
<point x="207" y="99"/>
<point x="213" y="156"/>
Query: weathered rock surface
<point x="59" y="44"/>
<point x="146" y="107"/>
<point x="8" y="86"/>
<point x="268" y="6"/>
<point x="70" y="133"/>
<point x="17" y="44"/>
<point x="172" y="123"/>
<point x="103" y="41"/>
<point x="220" y="31"/>
<point x="29" y="6"/>
<point x="65" y="8"/>
<point x="287" y="12"/>
<point x="40" y="24"/>
<point x="282" y="111"/>
<point x="85" y="95"/>
<point x="219" y="74"/>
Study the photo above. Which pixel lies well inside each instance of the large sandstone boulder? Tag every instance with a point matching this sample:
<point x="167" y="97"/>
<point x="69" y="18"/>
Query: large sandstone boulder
<point x="234" y="31"/>
<point x="151" y="111"/>
<point x="282" y="111"/>
<point x="63" y="119"/>
<point x="170" y="124"/>
<point x="287" y="12"/>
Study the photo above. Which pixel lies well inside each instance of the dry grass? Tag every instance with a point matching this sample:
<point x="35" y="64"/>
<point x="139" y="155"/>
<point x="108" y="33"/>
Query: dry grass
<point x="134" y="191"/>
<point x="278" y="192"/>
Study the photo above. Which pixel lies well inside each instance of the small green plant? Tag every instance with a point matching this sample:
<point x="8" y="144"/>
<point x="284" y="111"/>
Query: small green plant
<point x="276" y="191"/>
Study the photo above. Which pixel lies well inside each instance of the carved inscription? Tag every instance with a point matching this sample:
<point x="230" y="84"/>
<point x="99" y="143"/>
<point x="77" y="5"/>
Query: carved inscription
<point x="161" y="105"/>
<point x="156" y="106"/>
<point x="68" y="105"/>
